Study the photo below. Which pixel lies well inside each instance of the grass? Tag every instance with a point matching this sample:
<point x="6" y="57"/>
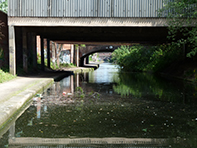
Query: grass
<point x="5" y="76"/>
<point x="68" y="65"/>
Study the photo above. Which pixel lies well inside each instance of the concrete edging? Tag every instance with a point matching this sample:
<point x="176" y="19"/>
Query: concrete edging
<point x="9" y="108"/>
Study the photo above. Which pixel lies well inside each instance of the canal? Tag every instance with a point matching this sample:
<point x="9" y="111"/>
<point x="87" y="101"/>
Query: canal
<point x="106" y="108"/>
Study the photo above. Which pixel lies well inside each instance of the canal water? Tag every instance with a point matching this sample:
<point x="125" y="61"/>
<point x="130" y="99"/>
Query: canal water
<point x="106" y="108"/>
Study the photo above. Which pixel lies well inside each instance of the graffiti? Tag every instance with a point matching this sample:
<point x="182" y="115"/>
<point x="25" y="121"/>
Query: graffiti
<point x="65" y="56"/>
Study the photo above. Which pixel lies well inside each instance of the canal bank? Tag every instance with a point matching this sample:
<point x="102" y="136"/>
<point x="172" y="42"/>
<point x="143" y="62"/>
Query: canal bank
<point x="17" y="93"/>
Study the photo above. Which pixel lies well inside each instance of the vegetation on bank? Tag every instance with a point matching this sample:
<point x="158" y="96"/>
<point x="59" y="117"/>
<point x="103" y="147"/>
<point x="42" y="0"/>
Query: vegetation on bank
<point x="5" y="76"/>
<point x="181" y="45"/>
<point x="182" y="29"/>
<point x="54" y="65"/>
<point x="145" y="58"/>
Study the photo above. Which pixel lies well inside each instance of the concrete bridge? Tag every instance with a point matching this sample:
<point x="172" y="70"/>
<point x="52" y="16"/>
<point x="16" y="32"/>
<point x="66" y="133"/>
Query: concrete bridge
<point x="87" y="21"/>
<point x="84" y="52"/>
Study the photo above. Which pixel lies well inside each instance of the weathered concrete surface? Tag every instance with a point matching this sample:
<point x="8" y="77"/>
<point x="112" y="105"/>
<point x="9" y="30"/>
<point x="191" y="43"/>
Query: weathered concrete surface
<point x="15" y="93"/>
<point x="86" y="68"/>
<point x="91" y="21"/>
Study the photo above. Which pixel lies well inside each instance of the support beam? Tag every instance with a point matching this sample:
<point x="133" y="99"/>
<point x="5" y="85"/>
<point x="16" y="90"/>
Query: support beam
<point x="19" y="48"/>
<point x="87" y="60"/>
<point x="53" y="54"/>
<point x="25" y="53"/>
<point x="42" y="52"/>
<point x="72" y="53"/>
<point x="48" y="54"/>
<point x="12" y="50"/>
<point x="34" y="51"/>
<point x="30" y="50"/>
<point x="76" y="55"/>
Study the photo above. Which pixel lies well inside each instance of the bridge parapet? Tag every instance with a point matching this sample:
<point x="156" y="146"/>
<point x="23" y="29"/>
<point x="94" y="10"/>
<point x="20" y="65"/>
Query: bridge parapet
<point x="85" y="8"/>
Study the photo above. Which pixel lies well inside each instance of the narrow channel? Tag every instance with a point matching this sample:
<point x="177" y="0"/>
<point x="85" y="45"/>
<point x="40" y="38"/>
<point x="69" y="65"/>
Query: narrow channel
<point x="106" y="108"/>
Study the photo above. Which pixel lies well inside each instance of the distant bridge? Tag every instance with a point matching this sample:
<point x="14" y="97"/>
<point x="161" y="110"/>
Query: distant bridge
<point x="130" y="21"/>
<point x="84" y="52"/>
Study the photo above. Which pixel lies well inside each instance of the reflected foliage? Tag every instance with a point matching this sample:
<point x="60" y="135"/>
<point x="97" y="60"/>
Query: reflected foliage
<point x="143" y="85"/>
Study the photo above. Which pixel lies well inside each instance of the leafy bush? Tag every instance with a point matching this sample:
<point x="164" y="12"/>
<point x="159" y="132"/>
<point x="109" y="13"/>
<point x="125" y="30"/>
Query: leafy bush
<point x="69" y="65"/>
<point x="4" y="76"/>
<point x="145" y="58"/>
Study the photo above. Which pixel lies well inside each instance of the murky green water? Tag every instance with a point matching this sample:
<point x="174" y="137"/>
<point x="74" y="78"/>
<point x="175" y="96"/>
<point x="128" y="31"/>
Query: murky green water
<point x="109" y="109"/>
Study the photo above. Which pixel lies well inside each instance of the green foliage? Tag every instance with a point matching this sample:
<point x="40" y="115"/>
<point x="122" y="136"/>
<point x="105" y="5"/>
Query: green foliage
<point x="91" y="96"/>
<point x="5" y="76"/>
<point x="68" y="65"/>
<point x="180" y="18"/>
<point x="145" y="58"/>
<point x="79" y="45"/>
<point x="4" y="6"/>
<point x="90" y="58"/>
<point x="52" y="65"/>
<point x="55" y="66"/>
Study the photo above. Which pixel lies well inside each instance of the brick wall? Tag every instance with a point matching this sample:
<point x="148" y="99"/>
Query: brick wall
<point x="4" y="50"/>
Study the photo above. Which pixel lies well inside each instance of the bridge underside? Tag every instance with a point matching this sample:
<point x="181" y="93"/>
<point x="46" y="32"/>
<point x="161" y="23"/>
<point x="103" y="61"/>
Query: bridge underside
<point x="103" y="34"/>
<point x="22" y="32"/>
<point x="95" y="29"/>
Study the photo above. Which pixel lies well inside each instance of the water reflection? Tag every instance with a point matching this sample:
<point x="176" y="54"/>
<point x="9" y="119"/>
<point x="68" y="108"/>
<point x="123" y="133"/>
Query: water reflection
<point x="105" y="74"/>
<point x="153" y="87"/>
<point x="99" y="110"/>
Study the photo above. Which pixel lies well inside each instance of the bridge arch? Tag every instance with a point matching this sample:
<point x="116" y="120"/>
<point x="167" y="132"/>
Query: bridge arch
<point x="86" y="51"/>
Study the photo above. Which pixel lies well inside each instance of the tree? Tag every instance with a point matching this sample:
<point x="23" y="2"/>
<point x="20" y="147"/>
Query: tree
<point x="181" y="16"/>
<point x="4" y="5"/>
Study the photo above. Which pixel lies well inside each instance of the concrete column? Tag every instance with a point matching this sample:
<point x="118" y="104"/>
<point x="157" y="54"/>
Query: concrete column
<point x="48" y="54"/>
<point x="56" y="46"/>
<point x="53" y="53"/>
<point x="25" y="52"/>
<point x="30" y="50"/>
<point x="34" y="51"/>
<point x="87" y="60"/>
<point x="82" y="62"/>
<point x="12" y="50"/>
<point x="72" y="53"/>
<point x="42" y="52"/>
<point x="76" y="55"/>
<point x="19" y="48"/>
